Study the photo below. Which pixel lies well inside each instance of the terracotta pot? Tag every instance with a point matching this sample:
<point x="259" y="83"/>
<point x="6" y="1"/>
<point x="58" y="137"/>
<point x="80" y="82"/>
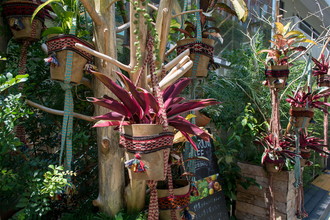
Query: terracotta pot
<point x="180" y="201"/>
<point x="203" y="62"/>
<point x="277" y="76"/>
<point x="300" y="116"/>
<point x="201" y="119"/>
<point x="60" y="45"/>
<point x="156" y="162"/>
<point x="19" y="13"/>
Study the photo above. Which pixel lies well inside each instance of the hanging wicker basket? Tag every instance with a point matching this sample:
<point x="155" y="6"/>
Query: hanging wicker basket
<point x="204" y="48"/>
<point x="277" y="76"/>
<point x="300" y="116"/>
<point x="180" y="200"/>
<point x="201" y="119"/>
<point x="18" y="14"/>
<point x="58" y="46"/>
<point x="152" y="145"/>
<point x="323" y="80"/>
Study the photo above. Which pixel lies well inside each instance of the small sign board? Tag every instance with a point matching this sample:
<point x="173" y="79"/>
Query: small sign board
<point x="210" y="204"/>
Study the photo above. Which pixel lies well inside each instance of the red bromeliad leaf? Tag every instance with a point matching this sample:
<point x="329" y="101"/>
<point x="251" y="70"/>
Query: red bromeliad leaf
<point x="111" y="104"/>
<point x="149" y="99"/>
<point x="173" y="101"/>
<point x="300" y="48"/>
<point x="110" y="116"/>
<point x="109" y="123"/>
<point x="179" y="108"/>
<point x="129" y="101"/>
<point x="190" y="140"/>
<point x="185" y="32"/>
<point x="175" y="89"/>
<point x="184" y="125"/>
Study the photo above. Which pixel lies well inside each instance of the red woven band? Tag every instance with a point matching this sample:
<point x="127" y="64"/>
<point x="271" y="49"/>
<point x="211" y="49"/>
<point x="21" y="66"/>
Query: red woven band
<point x="304" y="113"/>
<point x="324" y="80"/>
<point x="67" y="42"/>
<point x="197" y="47"/>
<point x="277" y="73"/>
<point x="146" y="144"/>
<point x="175" y="202"/>
<point x="22" y="9"/>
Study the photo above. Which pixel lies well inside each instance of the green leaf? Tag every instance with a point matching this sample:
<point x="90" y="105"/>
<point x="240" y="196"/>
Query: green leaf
<point x="41" y="7"/>
<point x="244" y="122"/>
<point x="53" y="30"/>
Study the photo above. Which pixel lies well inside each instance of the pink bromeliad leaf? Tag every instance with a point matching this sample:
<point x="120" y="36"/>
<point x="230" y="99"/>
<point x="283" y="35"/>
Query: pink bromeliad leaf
<point x="111" y="104"/>
<point x="109" y="123"/>
<point x="110" y="116"/>
<point x="129" y="101"/>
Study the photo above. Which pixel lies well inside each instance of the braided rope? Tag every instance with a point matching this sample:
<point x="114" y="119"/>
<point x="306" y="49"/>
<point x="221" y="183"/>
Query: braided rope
<point x="67" y="127"/>
<point x="153" y="213"/>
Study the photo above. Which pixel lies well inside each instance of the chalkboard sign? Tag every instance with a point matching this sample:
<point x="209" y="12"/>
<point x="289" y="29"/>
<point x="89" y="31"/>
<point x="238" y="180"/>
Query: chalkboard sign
<point x="210" y="204"/>
<point x="212" y="207"/>
<point x="205" y="168"/>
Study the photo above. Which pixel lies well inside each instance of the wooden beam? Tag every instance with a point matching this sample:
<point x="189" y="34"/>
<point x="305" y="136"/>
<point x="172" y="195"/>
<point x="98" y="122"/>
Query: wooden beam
<point x="104" y="57"/>
<point x="58" y="112"/>
<point x="167" y="81"/>
<point x="98" y="20"/>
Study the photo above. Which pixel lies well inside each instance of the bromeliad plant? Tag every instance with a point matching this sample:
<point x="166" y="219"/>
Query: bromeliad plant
<point x="301" y="99"/>
<point x="321" y="68"/>
<point x="284" y="45"/>
<point x="138" y="106"/>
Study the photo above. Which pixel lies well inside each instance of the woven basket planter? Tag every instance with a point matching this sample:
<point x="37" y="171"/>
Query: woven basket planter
<point x="59" y="46"/>
<point x="180" y="201"/>
<point x="153" y="146"/>
<point x="277" y="76"/>
<point x="300" y="116"/>
<point x="18" y="14"/>
<point x="323" y="80"/>
<point x="205" y="49"/>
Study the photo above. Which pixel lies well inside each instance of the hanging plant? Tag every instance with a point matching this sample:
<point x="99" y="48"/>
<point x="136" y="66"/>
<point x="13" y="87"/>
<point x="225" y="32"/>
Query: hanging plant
<point x="322" y="71"/>
<point x="278" y="57"/>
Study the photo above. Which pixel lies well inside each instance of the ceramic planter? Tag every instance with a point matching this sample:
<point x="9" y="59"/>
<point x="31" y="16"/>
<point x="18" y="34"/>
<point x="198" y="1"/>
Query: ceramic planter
<point x="300" y="116"/>
<point x="181" y="199"/>
<point x="18" y="14"/>
<point x="205" y="49"/>
<point x="153" y="146"/>
<point x="277" y="76"/>
<point x="58" y="46"/>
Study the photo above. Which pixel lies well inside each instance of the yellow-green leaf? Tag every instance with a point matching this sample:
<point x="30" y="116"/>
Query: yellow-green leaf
<point x="240" y="9"/>
<point x="308" y="41"/>
<point x="286" y="27"/>
<point x="279" y="28"/>
<point x="290" y="33"/>
<point x="41" y="7"/>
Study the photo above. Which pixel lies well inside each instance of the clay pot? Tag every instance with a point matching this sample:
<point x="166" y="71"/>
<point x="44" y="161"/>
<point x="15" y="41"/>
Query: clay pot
<point x="300" y="116"/>
<point x="156" y="162"/>
<point x="201" y="119"/>
<point x="277" y="76"/>
<point x="19" y="13"/>
<point x="180" y="201"/>
<point x="60" y="45"/>
<point x="205" y="50"/>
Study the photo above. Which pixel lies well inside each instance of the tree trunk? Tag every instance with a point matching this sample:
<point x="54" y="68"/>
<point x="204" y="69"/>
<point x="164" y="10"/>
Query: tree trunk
<point x="111" y="168"/>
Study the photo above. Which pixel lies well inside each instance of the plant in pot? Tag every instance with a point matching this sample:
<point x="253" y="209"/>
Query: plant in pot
<point x="322" y="71"/>
<point x="274" y="158"/>
<point x="18" y="14"/>
<point x="303" y="104"/>
<point x="308" y="143"/>
<point x="278" y="57"/>
<point x="62" y="38"/>
<point x="138" y="116"/>
<point x="202" y="44"/>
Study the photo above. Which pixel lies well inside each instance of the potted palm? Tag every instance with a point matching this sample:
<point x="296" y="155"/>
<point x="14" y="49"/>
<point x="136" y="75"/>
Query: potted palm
<point x="19" y="13"/>
<point x="322" y="71"/>
<point x="62" y="38"/>
<point x="137" y="112"/>
<point x="277" y="62"/>
<point x="303" y="105"/>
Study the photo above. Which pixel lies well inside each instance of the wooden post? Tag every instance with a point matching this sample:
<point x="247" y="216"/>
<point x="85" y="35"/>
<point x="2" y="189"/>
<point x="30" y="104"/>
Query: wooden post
<point x="111" y="169"/>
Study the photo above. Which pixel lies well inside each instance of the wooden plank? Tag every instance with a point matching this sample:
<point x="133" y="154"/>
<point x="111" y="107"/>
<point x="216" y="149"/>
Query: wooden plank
<point x="251" y="209"/>
<point x="246" y="216"/>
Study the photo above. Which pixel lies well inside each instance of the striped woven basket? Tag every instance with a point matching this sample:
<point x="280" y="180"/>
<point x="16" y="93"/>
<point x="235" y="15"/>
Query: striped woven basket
<point x="59" y="45"/>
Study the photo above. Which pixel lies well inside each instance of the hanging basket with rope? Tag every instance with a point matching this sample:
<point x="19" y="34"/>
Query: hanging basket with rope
<point x="277" y="76"/>
<point x="18" y="14"/>
<point x="58" y="47"/>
